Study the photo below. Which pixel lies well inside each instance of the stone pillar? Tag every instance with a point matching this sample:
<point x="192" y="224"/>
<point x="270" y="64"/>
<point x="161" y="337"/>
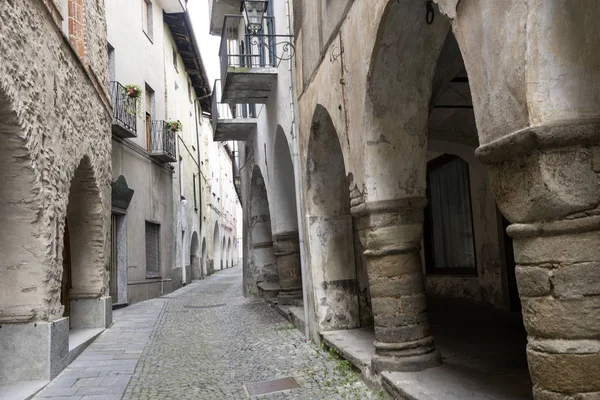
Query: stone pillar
<point x="391" y="234"/>
<point x="286" y="249"/>
<point x="552" y="198"/>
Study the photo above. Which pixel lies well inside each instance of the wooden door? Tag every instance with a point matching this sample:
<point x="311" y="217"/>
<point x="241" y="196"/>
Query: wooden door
<point x="114" y="288"/>
<point x="65" y="298"/>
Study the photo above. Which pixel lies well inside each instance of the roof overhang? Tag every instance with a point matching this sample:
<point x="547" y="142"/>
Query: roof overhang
<point x="183" y="34"/>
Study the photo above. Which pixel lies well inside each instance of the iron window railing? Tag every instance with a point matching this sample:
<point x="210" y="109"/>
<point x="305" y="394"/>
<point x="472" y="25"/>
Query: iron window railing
<point x="162" y="139"/>
<point x="124" y="107"/>
<point x="239" y="48"/>
<point x="226" y="111"/>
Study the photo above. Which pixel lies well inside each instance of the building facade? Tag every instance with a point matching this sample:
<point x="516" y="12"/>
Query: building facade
<point x="55" y="131"/>
<point x="448" y="152"/>
<point x="156" y="207"/>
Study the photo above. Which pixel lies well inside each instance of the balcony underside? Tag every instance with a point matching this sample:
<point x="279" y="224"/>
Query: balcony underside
<point x="235" y="129"/>
<point x="218" y="10"/>
<point x="119" y="129"/>
<point x="162" y="156"/>
<point x="245" y="85"/>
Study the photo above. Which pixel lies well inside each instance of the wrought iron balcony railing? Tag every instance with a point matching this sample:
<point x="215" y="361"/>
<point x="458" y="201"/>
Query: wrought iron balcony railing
<point x="256" y="56"/>
<point x="124" y="111"/>
<point x="162" y="142"/>
<point x="231" y="122"/>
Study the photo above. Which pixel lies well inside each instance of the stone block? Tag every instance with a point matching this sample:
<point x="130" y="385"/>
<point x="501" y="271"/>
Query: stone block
<point x="396" y="286"/>
<point x="569" y="248"/>
<point x="91" y="313"/>
<point x="548" y="317"/>
<point x="533" y="281"/>
<point x="34" y="351"/>
<point x="567" y="373"/>
<point x="576" y="280"/>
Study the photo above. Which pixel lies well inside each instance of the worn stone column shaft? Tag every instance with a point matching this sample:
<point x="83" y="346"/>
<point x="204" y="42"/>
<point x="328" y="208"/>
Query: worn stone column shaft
<point x="391" y="234"/>
<point x="286" y="249"/>
<point x="552" y="197"/>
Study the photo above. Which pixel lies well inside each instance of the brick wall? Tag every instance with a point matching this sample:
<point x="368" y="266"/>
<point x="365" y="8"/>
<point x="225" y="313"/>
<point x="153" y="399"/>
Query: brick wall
<point x="77" y="33"/>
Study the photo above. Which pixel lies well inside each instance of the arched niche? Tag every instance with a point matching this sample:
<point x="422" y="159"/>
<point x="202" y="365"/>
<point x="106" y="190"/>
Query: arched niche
<point x="330" y="228"/>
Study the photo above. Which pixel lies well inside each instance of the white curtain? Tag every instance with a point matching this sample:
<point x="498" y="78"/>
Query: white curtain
<point x="451" y="229"/>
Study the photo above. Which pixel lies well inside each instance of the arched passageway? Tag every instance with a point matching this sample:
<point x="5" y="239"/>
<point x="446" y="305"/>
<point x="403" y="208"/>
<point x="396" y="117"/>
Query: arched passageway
<point x="223" y="254"/>
<point x="196" y="269"/>
<point x="229" y="258"/>
<point x="216" y="250"/>
<point x="204" y="267"/>
<point x="285" y="234"/>
<point x="84" y="274"/>
<point x="330" y="229"/>
<point x="421" y="176"/>
<point x="261" y="265"/>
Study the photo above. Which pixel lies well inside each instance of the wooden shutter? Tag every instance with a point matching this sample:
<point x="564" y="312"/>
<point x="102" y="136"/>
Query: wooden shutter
<point x="152" y="250"/>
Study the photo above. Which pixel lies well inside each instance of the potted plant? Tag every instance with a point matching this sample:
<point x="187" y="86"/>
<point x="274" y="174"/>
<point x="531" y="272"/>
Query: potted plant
<point x="133" y="95"/>
<point x="175" y="126"/>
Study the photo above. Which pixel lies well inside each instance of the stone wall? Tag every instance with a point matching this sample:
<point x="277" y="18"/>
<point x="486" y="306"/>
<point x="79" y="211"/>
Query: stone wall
<point x="57" y="116"/>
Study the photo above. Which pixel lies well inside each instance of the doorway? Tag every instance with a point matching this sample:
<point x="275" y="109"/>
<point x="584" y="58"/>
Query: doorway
<point x="114" y="260"/>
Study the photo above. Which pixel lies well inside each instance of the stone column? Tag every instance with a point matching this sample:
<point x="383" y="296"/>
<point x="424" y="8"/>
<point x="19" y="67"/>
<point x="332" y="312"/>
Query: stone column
<point x="286" y="249"/>
<point x="552" y="198"/>
<point x="391" y="233"/>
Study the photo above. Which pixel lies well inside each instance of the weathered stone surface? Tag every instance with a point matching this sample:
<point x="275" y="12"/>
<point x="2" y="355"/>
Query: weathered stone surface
<point x="566" y="373"/>
<point x="533" y="281"/>
<point x="576" y="280"/>
<point x="562" y="318"/>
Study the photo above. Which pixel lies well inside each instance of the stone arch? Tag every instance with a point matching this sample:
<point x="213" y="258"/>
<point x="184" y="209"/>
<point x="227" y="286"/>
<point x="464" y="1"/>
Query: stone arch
<point x="285" y="235"/>
<point x="203" y="270"/>
<point x="216" y="253"/>
<point x="330" y="228"/>
<point x="84" y="273"/>
<point x="24" y="247"/>
<point x="284" y="190"/>
<point x="261" y="266"/>
<point x="229" y="258"/>
<point x="196" y="268"/>
<point x="223" y="254"/>
<point x="397" y="100"/>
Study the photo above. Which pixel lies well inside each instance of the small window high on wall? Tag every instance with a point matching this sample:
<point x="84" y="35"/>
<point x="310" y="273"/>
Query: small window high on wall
<point x="449" y="239"/>
<point x="147" y="25"/>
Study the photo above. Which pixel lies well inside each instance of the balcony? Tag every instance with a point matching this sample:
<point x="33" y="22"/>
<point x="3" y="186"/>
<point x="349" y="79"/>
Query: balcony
<point x="162" y="142"/>
<point x="228" y="125"/>
<point x="124" y="123"/>
<point x="249" y="62"/>
<point x="173" y="6"/>
<point x="218" y="9"/>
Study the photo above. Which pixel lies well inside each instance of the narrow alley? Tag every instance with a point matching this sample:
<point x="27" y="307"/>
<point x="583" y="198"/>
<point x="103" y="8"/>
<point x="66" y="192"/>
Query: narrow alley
<point x="204" y="341"/>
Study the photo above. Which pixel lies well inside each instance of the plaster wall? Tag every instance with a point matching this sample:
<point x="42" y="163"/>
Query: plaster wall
<point x="180" y="105"/>
<point x="138" y="59"/>
<point x="152" y="202"/>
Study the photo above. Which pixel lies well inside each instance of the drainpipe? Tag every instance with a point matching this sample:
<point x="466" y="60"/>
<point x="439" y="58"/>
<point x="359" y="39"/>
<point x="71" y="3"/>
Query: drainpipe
<point x="298" y="183"/>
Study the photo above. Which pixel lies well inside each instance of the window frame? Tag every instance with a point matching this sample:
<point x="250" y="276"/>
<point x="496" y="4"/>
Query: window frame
<point x="152" y="274"/>
<point x="428" y="225"/>
<point x="148" y="27"/>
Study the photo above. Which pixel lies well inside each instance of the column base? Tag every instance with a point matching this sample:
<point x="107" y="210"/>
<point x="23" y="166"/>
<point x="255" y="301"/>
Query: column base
<point x="91" y="313"/>
<point x="34" y="351"/>
<point x="406" y="356"/>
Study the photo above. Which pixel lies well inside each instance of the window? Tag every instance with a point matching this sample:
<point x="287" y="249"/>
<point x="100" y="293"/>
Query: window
<point x="147" y="25"/>
<point x="190" y="93"/>
<point x="175" y="59"/>
<point x="449" y="238"/>
<point x="152" y="250"/>
<point x="181" y="191"/>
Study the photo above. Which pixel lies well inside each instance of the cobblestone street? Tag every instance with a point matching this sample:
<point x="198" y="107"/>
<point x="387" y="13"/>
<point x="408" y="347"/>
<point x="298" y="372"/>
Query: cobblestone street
<point x="204" y="341"/>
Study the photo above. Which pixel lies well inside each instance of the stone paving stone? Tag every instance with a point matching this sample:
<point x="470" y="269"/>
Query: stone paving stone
<point x="175" y="347"/>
